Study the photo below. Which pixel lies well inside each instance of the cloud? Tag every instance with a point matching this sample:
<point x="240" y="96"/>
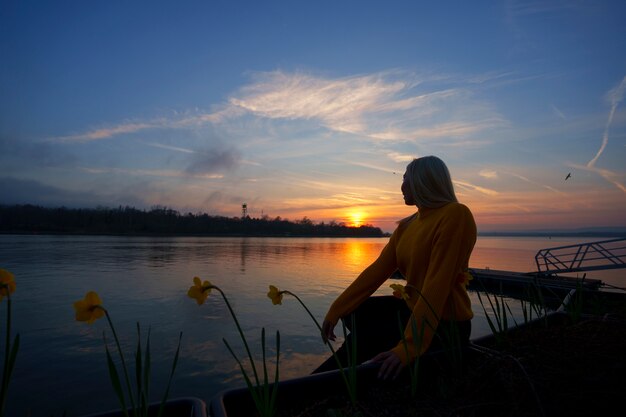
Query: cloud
<point x="383" y="106"/>
<point x="162" y="173"/>
<point x="547" y="187"/>
<point x="208" y="163"/>
<point x="107" y="132"/>
<point x="171" y="148"/>
<point x="337" y="103"/>
<point x="389" y="105"/>
<point x="558" y="112"/>
<point x="616" y="95"/>
<point x="218" y="198"/>
<point x="610" y="176"/>
<point x="535" y="7"/>
<point x="41" y="154"/>
<point x="447" y="129"/>
<point x="371" y="166"/>
<point x="213" y="161"/>
<point x="24" y="191"/>
<point x="400" y="157"/>
<point x="185" y="121"/>
<point x="488" y="173"/>
<point x="482" y="190"/>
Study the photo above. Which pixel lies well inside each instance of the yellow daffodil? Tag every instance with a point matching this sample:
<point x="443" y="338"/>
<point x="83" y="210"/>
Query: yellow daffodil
<point x="399" y="291"/>
<point x="7" y="283"/>
<point x="199" y="291"/>
<point x="275" y="295"/>
<point x="464" y="278"/>
<point x="90" y="308"/>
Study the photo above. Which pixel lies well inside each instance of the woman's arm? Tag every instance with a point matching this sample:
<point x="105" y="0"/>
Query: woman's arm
<point x="363" y="286"/>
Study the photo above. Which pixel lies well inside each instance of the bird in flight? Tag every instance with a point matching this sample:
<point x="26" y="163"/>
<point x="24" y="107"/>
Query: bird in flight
<point x="569" y="174"/>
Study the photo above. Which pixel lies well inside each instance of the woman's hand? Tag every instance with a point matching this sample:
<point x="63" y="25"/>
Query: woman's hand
<point x="391" y="364"/>
<point x="328" y="331"/>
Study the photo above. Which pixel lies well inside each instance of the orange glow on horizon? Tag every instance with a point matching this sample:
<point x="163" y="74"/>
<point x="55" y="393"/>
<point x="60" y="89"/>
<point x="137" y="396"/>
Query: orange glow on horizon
<point x="356" y="219"/>
<point x="383" y="216"/>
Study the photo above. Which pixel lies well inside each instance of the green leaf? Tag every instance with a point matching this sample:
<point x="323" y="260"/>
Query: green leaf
<point x="251" y="388"/>
<point x="138" y="372"/>
<point x="115" y="379"/>
<point x="275" y="388"/>
<point x="146" y="371"/>
<point x="13" y="357"/>
<point x="169" y="381"/>
<point x="266" y="394"/>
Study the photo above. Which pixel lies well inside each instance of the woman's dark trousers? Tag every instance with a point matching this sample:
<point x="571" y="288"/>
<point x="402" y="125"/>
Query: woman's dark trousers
<point x="380" y="322"/>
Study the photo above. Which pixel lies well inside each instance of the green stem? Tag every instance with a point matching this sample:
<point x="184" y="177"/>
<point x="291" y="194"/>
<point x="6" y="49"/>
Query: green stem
<point x="8" y="339"/>
<point x="119" y="349"/>
<point x="243" y="338"/>
<point x="305" y="307"/>
<point x="330" y="346"/>
<point x="5" y="370"/>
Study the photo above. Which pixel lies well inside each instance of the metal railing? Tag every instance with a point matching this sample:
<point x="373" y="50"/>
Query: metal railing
<point x="592" y="256"/>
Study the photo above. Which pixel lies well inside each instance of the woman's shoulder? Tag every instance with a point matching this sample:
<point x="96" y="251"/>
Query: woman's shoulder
<point x="405" y="221"/>
<point x="457" y="212"/>
<point x="456" y="208"/>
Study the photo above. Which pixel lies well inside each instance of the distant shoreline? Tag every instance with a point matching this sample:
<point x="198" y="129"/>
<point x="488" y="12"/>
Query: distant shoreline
<point x="166" y="222"/>
<point x="162" y="221"/>
<point x="46" y="233"/>
<point x="610" y="235"/>
<point x="276" y="235"/>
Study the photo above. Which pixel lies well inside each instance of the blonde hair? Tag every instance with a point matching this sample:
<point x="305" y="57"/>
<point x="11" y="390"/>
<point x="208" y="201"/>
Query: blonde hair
<point x="430" y="182"/>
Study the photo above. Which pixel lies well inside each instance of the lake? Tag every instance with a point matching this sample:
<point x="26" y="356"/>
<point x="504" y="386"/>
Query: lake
<point x="61" y="365"/>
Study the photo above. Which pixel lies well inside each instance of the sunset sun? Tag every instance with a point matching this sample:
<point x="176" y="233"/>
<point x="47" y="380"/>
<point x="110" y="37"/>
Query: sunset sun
<point x="356" y="219"/>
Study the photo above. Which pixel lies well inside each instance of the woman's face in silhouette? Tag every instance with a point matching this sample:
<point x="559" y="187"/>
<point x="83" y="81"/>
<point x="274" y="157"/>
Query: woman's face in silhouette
<point x="406" y="190"/>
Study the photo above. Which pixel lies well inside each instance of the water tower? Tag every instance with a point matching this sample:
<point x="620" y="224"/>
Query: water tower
<point x="244" y="210"/>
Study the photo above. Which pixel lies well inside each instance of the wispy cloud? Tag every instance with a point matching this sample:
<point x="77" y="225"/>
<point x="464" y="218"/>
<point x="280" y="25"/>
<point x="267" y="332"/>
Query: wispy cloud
<point x="383" y="106"/>
<point x="451" y="129"/>
<point x="26" y="191"/>
<point x="39" y="153"/>
<point x="612" y="177"/>
<point x="389" y="105"/>
<point x="488" y="173"/>
<point x="213" y="161"/>
<point x="615" y="96"/>
<point x="558" y="112"/>
<point x="339" y="104"/>
<point x="171" y="148"/>
<point x="482" y="190"/>
<point x="148" y="172"/>
<point x="400" y="157"/>
<point x="178" y="121"/>
<point x="525" y="179"/>
<point x="107" y="132"/>
<point x="534" y="7"/>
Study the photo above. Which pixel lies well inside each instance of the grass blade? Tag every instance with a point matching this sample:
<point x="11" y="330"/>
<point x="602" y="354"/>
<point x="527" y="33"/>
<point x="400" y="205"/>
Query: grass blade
<point x="169" y="381"/>
<point x="115" y="379"/>
<point x="146" y="371"/>
<point x="13" y="356"/>
<point x="275" y="389"/>
<point x="138" y="363"/>
<point x="251" y="388"/>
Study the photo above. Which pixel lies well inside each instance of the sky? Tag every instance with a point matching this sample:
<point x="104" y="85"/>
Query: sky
<point x="314" y="108"/>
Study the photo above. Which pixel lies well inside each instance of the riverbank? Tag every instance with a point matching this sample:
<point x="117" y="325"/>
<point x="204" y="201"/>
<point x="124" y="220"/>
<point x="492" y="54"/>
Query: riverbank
<point x="128" y="221"/>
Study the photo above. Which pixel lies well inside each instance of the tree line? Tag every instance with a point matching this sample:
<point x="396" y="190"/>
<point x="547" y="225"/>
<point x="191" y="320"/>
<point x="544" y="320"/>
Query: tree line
<point x="161" y="220"/>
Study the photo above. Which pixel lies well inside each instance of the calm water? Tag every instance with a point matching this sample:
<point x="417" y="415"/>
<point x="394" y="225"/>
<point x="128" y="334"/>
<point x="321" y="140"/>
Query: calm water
<point x="61" y="363"/>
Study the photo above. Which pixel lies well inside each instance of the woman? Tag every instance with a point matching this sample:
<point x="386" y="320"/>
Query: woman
<point x="431" y="249"/>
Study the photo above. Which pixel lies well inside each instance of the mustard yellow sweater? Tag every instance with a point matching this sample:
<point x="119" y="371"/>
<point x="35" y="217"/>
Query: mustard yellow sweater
<point x="432" y="250"/>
